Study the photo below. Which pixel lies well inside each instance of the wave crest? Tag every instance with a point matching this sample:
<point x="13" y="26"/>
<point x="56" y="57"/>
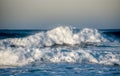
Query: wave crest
<point x="21" y="51"/>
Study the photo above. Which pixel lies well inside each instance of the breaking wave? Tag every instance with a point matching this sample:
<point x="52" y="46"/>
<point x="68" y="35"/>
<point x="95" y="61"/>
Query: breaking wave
<point x="60" y="35"/>
<point x="40" y="47"/>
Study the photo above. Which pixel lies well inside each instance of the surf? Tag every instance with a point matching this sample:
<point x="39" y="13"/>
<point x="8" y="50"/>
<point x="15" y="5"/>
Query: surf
<point x="58" y="45"/>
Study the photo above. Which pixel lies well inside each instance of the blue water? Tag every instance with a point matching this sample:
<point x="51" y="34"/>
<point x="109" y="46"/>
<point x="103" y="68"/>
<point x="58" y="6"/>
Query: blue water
<point x="99" y="58"/>
<point x="65" y="69"/>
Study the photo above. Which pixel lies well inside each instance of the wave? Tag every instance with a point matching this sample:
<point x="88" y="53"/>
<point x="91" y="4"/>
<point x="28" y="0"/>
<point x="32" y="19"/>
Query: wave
<point x="40" y="48"/>
<point x="24" y="56"/>
<point x="60" y="35"/>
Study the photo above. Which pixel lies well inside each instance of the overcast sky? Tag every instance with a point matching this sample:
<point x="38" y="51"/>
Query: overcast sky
<point x="38" y="14"/>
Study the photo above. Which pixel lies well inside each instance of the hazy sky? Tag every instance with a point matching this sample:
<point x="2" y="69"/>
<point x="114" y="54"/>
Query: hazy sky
<point x="48" y="13"/>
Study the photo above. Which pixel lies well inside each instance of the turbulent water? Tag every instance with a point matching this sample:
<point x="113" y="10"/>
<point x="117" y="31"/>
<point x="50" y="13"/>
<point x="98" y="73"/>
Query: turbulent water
<point x="62" y="51"/>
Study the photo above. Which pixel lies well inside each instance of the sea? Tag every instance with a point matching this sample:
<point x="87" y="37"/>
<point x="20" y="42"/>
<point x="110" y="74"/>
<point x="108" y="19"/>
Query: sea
<point x="60" y="51"/>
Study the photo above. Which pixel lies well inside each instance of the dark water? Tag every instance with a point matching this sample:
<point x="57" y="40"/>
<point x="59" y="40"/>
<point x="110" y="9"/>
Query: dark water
<point x="24" y="33"/>
<point x="62" y="70"/>
<point x="17" y="33"/>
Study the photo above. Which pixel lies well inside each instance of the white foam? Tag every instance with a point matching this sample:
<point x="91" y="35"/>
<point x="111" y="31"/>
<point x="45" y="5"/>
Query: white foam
<point x="109" y="59"/>
<point x="89" y="35"/>
<point x="22" y="51"/>
<point x="60" y="35"/>
<point x="23" y="56"/>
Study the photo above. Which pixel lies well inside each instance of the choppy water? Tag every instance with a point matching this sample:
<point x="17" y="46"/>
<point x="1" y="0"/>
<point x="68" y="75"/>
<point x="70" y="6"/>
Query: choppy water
<point x="62" y="51"/>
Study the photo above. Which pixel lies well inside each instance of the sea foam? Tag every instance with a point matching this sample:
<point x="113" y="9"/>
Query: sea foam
<point x="60" y="35"/>
<point x="40" y="47"/>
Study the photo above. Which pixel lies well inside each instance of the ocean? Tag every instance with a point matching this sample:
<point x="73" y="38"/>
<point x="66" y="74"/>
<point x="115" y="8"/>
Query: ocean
<point x="61" y="51"/>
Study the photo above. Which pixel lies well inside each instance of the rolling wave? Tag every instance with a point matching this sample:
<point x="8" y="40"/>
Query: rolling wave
<point x="40" y="47"/>
<point x="60" y="35"/>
